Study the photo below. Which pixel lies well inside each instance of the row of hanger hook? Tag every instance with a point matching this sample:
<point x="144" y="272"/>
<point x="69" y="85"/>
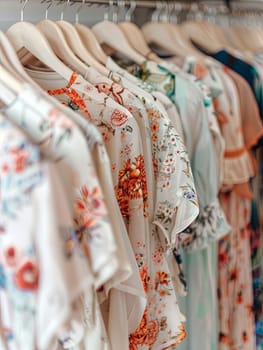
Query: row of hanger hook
<point x="116" y="7"/>
<point x="164" y="11"/>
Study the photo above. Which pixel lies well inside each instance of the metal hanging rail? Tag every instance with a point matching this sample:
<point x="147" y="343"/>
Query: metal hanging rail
<point x="243" y="4"/>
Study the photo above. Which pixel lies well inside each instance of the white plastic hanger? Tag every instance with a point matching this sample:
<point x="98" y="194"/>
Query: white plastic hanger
<point x="15" y="65"/>
<point x="110" y="34"/>
<point x="174" y="43"/>
<point x="89" y="39"/>
<point x="194" y="31"/>
<point x="75" y="43"/>
<point x="77" y="46"/>
<point x="135" y="36"/>
<point x="56" y="38"/>
<point x="26" y="35"/>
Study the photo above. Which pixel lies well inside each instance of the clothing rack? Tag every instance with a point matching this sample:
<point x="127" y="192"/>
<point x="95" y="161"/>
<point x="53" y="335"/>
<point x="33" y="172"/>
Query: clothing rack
<point x="243" y="4"/>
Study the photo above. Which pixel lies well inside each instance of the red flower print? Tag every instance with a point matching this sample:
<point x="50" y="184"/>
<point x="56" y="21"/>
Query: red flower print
<point x="118" y="118"/>
<point x="89" y="207"/>
<point x="103" y="87"/>
<point x="233" y="275"/>
<point x="162" y="293"/>
<point x="27" y="276"/>
<point x="160" y="278"/>
<point x="223" y="338"/>
<point x="240" y="297"/>
<point x="115" y="90"/>
<point x="245" y="337"/>
<point x="223" y="259"/>
<point x="10" y="255"/>
<point x="249" y="310"/>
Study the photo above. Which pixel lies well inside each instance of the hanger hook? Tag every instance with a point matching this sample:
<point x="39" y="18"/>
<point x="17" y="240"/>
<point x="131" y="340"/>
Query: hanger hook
<point x="122" y="4"/>
<point x="78" y="11"/>
<point x="106" y="14"/>
<point x="170" y="10"/>
<point x="24" y="3"/>
<point x="64" y="9"/>
<point x="115" y="12"/>
<point x="131" y="10"/>
<point x="164" y="14"/>
<point x="157" y="11"/>
<point x="48" y="7"/>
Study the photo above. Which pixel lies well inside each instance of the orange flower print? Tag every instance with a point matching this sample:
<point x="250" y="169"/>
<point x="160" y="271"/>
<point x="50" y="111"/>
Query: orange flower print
<point x="153" y="114"/>
<point x="123" y="201"/>
<point x="199" y="71"/>
<point x="160" y="278"/>
<point x="155" y="166"/>
<point x="139" y="336"/>
<point x="153" y="332"/>
<point x="132" y="184"/>
<point x="145" y="278"/>
<point x="146" y="334"/>
<point x="118" y="118"/>
<point x="21" y="157"/>
<point x="223" y="338"/>
<point x="154" y="138"/>
<point x="27" y="276"/>
<point x="89" y="207"/>
<point x="179" y="337"/>
<point x="163" y="323"/>
<point x="154" y="127"/>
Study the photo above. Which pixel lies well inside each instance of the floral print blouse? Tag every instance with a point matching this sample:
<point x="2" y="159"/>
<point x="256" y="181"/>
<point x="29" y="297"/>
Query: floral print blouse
<point x="149" y="102"/>
<point x="58" y="137"/>
<point x="161" y="325"/>
<point x="42" y="273"/>
<point x="211" y="223"/>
